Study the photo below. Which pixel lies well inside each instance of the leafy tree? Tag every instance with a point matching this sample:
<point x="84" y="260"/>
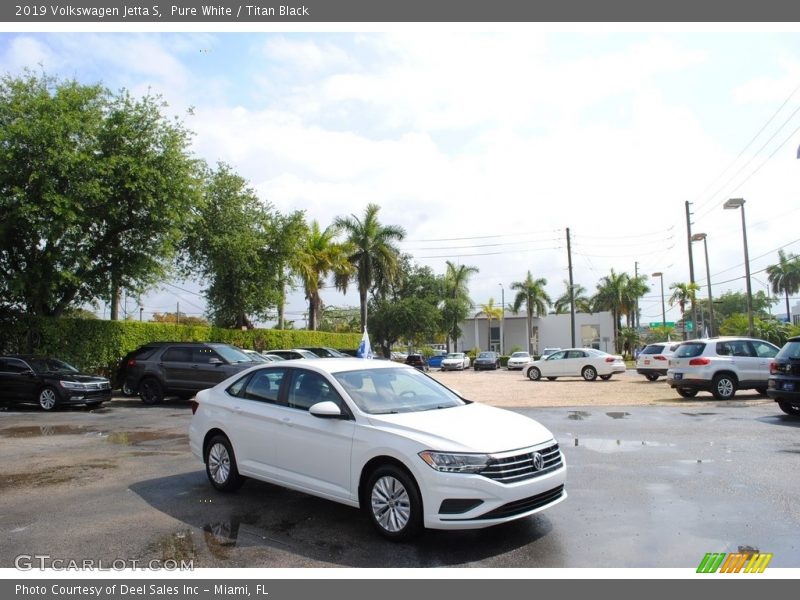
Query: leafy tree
<point x="182" y="319"/>
<point x="373" y="255"/>
<point x="339" y="319"/>
<point x="239" y="245"/>
<point x="532" y="294"/>
<point x="318" y="256"/>
<point x="456" y="304"/>
<point x="785" y="277"/>
<point x="612" y="295"/>
<point x="95" y="192"/>
<point x="769" y="329"/>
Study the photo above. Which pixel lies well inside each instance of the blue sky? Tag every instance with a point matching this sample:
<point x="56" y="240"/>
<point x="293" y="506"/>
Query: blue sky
<point x="486" y="145"/>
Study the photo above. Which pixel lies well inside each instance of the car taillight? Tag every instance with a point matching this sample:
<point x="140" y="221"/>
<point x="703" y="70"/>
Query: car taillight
<point x="132" y="362"/>
<point x="773" y="368"/>
<point x="699" y="362"/>
<point x="659" y="357"/>
<point x="610" y="359"/>
<point x="195" y="404"/>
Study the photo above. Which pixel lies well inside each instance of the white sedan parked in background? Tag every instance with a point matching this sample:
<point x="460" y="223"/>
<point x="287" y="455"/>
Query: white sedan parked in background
<point x="575" y="362"/>
<point x="517" y="360"/>
<point x="377" y="435"/>
<point x="455" y="361"/>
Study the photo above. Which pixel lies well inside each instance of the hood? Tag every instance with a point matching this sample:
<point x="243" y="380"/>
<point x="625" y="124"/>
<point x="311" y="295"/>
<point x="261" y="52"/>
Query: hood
<point x="78" y="377"/>
<point x="470" y="428"/>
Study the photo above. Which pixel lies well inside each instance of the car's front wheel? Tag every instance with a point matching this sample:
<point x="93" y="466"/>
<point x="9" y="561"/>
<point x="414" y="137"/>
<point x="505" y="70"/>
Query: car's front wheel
<point x="221" y="465"/>
<point x="393" y="503"/>
<point x="790" y="408"/>
<point x="723" y="387"/>
<point x="151" y="391"/>
<point x="48" y="398"/>
<point x="589" y="373"/>
<point x="651" y="377"/>
<point x="534" y="374"/>
<point x="762" y="390"/>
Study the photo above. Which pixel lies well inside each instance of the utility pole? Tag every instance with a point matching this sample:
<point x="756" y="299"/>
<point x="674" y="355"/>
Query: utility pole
<point x="571" y="293"/>
<point x="636" y="301"/>
<point x="178" y="314"/>
<point x="691" y="272"/>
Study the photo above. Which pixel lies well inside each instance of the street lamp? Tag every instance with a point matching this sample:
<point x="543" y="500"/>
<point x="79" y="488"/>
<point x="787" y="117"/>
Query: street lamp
<point x="696" y="238"/>
<point x="733" y="204"/>
<point x="660" y="275"/>
<point x="502" y="318"/>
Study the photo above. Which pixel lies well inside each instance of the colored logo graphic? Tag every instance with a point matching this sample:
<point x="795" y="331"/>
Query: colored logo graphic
<point x="737" y="562"/>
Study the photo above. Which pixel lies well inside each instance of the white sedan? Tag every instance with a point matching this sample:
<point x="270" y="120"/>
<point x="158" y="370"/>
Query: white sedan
<point x="381" y="436"/>
<point x="575" y="362"/>
<point x="518" y="360"/>
<point x="455" y="361"/>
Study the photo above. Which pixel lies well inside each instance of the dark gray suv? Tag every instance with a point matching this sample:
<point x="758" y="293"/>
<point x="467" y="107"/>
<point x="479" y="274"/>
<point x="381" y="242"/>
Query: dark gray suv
<point x="181" y="369"/>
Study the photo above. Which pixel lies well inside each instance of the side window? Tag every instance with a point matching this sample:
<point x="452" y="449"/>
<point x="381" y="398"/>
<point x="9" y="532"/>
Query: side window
<point x="557" y="355"/>
<point x="763" y="350"/>
<point x="177" y="354"/>
<point x="308" y="388"/>
<point x="203" y="355"/>
<point x="575" y="354"/>
<point x="265" y="385"/>
<point x="12" y="365"/>
<point x="724" y="349"/>
<point x="237" y="388"/>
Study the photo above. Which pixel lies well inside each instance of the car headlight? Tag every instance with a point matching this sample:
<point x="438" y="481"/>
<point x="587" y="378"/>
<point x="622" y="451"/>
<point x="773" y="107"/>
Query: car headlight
<point x="72" y="385"/>
<point x="448" y="462"/>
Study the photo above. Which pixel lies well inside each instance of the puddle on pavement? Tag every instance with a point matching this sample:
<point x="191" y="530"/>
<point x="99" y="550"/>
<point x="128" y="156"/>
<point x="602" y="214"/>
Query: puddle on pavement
<point x="578" y="415"/>
<point x="222" y="536"/>
<point x="618" y="415"/>
<point x="699" y="414"/>
<point x="178" y="546"/>
<point x="124" y="438"/>
<point x="603" y="445"/>
<point x="136" y="438"/>
<point x="25" y="431"/>
<point x="52" y="475"/>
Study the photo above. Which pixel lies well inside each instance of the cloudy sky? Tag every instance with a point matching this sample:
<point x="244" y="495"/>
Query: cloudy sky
<point x="486" y="146"/>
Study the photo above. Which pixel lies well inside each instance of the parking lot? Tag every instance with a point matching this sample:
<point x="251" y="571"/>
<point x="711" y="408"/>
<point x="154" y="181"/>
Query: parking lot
<point x="653" y="481"/>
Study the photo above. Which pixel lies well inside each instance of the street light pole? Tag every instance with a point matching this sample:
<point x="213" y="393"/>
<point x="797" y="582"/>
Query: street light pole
<point x="696" y="238"/>
<point x="732" y="204"/>
<point x="660" y="275"/>
<point x="502" y="319"/>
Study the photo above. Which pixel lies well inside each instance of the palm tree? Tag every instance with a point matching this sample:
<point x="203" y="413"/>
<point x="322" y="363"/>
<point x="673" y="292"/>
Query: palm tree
<point x="457" y="302"/>
<point x="582" y="301"/>
<point x="373" y="256"/>
<point x="530" y="292"/>
<point x="318" y="256"/>
<point x="611" y="295"/>
<point x="490" y="311"/>
<point x="683" y="293"/>
<point x="634" y="289"/>
<point x="785" y="277"/>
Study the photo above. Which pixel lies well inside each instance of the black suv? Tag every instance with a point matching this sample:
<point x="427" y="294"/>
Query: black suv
<point x="783" y="384"/>
<point x="181" y="368"/>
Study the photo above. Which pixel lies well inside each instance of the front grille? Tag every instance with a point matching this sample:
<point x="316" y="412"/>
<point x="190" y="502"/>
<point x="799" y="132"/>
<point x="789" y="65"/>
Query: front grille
<point x="525" y="505"/>
<point x="519" y="467"/>
<point x="97" y="386"/>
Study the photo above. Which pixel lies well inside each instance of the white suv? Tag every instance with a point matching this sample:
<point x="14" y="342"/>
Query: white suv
<point x="653" y="360"/>
<point x="720" y="366"/>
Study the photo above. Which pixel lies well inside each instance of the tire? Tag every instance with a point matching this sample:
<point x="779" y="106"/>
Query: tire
<point x="534" y="374"/>
<point x="686" y="392"/>
<point x="393" y="503"/>
<point x="651" y="377"/>
<point x="48" y="398"/>
<point x="724" y="387"/>
<point x="151" y="391"/>
<point x="551" y="378"/>
<point x="127" y="390"/>
<point x="605" y="377"/>
<point x="589" y="373"/>
<point x="221" y="465"/>
<point x="496" y="366"/>
<point x="789" y="408"/>
<point x="762" y="390"/>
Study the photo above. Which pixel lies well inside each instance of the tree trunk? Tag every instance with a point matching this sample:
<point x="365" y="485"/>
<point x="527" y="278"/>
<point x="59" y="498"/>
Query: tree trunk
<point x="363" y="298"/>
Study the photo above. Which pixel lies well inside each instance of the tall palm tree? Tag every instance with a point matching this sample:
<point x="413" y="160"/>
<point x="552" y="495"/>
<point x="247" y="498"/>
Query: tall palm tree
<point x="490" y="311"/>
<point x="785" y="277"/>
<point x="532" y="294"/>
<point x="373" y="255"/>
<point x="683" y="294"/>
<point x="611" y="296"/>
<point x="634" y="289"/>
<point x="457" y="302"/>
<point x="582" y="301"/>
<point x="318" y="256"/>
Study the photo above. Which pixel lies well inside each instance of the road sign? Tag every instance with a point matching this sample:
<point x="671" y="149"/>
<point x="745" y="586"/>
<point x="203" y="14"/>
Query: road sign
<point x="659" y="324"/>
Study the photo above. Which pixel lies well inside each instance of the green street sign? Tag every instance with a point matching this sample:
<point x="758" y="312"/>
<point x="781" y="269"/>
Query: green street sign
<point x="688" y="326"/>
<point x="659" y="324"/>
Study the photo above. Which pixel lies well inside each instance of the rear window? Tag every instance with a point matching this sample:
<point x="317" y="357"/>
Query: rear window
<point x="689" y="350"/>
<point x="790" y="351"/>
<point x="653" y="349"/>
<point x="144" y="353"/>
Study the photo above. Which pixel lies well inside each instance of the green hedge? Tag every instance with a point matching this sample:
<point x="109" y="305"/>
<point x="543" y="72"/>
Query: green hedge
<point x="95" y="345"/>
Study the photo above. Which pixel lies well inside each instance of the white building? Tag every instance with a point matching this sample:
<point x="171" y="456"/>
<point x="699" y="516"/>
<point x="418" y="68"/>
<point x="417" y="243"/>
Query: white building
<point x="595" y="330"/>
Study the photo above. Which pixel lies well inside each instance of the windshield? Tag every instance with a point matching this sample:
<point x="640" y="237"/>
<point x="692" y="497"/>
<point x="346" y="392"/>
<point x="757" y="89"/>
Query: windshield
<point x="791" y="351"/>
<point x="51" y="365"/>
<point x="486" y="355"/>
<point x="455" y="355"/>
<point x="388" y="391"/>
<point x="231" y="354"/>
<point x="520" y="355"/>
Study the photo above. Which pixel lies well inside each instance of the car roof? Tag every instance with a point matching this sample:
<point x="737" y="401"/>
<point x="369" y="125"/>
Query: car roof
<point x="338" y="366"/>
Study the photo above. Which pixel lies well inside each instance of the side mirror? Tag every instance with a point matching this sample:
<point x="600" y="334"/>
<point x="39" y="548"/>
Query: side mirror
<point x="326" y="410"/>
<point x="29" y="373"/>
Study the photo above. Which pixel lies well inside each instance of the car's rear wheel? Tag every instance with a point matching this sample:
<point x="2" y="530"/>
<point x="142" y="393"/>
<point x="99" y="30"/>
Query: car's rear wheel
<point x="48" y="398"/>
<point x="127" y="390"/>
<point x="221" y="465"/>
<point x="589" y="373"/>
<point x="686" y="392"/>
<point x="551" y="378"/>
<point x="605" y="377"/>
<point x="724" y="387"/>
<point x="151" y="391"/>
<point x="790" y="408"/>
<point x="762" y="390"/>
<point x="393" y="503"/>
<point x="534" y="374"/>
<point x="651" y="377"/>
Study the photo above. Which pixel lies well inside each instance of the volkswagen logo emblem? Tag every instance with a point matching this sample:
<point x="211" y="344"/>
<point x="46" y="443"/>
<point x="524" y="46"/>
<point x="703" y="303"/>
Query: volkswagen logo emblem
<point x="538" y="461"/>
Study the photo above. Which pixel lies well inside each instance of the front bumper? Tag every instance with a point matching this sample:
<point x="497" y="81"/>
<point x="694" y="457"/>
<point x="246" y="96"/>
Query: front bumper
<point x="87" y="397"/>
<point x="457" y="501"/>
